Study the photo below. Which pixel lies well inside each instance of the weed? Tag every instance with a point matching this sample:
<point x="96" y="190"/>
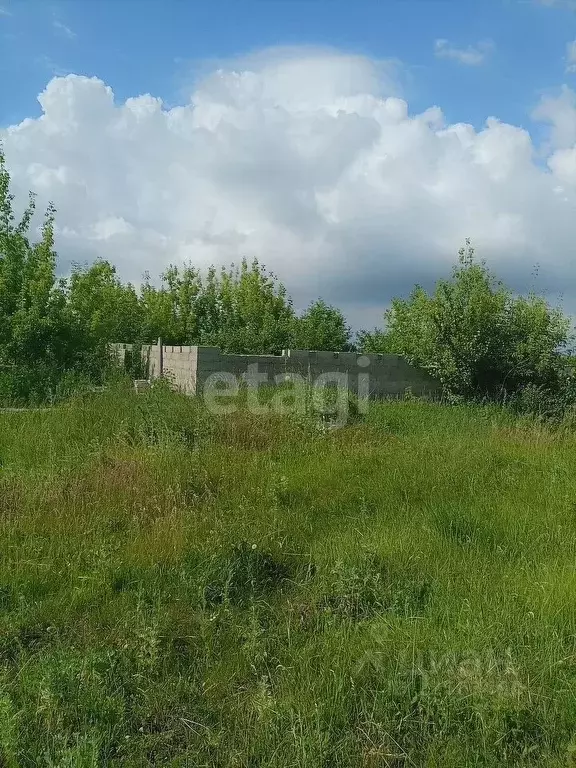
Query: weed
<point x="180" y="589"/>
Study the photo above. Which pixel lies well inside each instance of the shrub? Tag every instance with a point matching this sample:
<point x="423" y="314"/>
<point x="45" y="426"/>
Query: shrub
<point x="476" y="337"/>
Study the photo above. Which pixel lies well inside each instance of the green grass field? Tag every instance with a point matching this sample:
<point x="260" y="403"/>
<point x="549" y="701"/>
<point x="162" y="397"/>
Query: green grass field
<point x="183" y="590"/>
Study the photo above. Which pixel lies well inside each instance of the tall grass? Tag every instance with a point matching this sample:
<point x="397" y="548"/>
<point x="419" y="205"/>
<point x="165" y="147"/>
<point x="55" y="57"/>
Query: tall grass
<point x="185" y="590"/>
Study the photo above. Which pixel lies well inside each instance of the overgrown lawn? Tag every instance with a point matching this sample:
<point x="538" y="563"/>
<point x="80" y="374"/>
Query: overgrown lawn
<point x="183" y="590"/>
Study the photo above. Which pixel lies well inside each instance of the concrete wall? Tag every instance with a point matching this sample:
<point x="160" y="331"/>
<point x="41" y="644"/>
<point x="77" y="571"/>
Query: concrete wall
<point x="190" y="368"/>
<point x="180" y="366"/>
<point x="212" y="364"/>
<point x="382" y="375"/>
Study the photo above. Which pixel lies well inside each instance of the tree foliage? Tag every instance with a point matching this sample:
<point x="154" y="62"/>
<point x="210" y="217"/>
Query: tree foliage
<point x="56" y="328"/>
<point x="322" y="327"/>
<point x="36" y="341"/>
<point x="472" y="333"/>
<point x="475" y="336"/>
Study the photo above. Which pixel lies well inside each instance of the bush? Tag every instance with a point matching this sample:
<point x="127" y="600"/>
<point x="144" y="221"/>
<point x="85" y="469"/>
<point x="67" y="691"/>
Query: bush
<point x="545" y="403"/>
<point x="477" y="338"/>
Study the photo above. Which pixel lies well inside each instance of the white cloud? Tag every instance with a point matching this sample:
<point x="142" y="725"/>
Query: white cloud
<point x="560" y="113"/>
<point x="308" y="163"/>
<point x="63" y="29"/>
<point x="4" y="11"/>
<point x="471" y="56"/>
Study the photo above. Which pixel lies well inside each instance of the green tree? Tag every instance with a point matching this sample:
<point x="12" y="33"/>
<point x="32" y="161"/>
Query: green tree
<point x="321" y="327"/>
<point x="105" y="308"/>
<point x="101" y="310"/>
<point x="475" y="336"/>
<point x="36" y="342"/>
<point x="241" y="309"/>
<point x="375" y="341"/>
<point x="246" y="310"/>
<point x="172" y="311"/>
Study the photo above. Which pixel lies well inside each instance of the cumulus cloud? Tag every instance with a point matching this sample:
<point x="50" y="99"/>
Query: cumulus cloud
<point x="559" y="112"/>
<point x="471" y="56"/>
<point x="311" y="164"/>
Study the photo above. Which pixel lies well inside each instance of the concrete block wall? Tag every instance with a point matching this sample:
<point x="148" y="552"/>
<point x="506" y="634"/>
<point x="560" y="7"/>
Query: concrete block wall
<point x="150" y="357"/>
<point x="191" y="367"/>
<point x="383" y="375"/>
<point x="211" y="363"/>
<point x="179" y="366"/>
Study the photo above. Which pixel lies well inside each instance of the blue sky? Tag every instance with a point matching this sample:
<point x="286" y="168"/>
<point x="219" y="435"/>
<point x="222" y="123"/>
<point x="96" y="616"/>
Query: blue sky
<point x="141" y="46"/>
<point x="300" y="132"/>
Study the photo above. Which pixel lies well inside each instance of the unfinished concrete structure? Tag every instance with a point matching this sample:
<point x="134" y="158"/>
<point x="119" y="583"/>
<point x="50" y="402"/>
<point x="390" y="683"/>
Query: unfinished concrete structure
<point x="192" y="369"/>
